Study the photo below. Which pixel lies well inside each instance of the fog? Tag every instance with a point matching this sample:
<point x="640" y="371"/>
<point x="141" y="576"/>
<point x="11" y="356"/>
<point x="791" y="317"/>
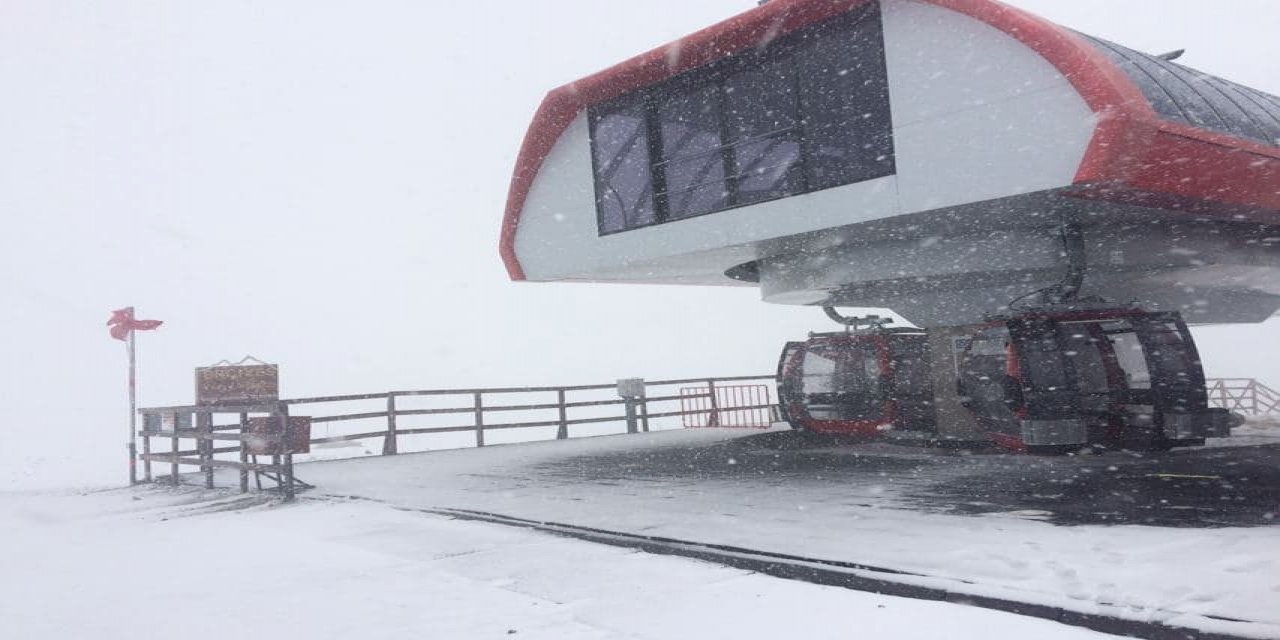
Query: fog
<point x="320" y="185"/>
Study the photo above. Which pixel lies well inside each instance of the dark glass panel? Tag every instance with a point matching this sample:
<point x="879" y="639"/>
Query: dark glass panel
<point x="621" y="154"/>
<point x="1043" y="366"/>
<point x="762" y="118"/>
<point x="692" y="151"/>
<point x="844" y="95"/>
<point x="911" y="374"/>
<point x="1081" y="344"/>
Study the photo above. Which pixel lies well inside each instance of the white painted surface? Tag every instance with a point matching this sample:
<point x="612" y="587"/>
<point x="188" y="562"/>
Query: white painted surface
<point x="977" y="115"/>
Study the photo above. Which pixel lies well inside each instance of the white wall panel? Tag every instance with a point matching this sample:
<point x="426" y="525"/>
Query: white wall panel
<point x="977" y="114"/>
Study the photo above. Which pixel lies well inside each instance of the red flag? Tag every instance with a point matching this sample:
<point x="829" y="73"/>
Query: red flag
<point x="122" y="323"/>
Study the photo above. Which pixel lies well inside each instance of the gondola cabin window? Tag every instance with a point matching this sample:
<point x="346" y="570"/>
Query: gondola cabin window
<point x="806" y="112"/>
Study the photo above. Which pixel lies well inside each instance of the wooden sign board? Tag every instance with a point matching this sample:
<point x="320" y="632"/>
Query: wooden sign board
<point x="299" y="435"/>
<point x="166" y="421"/>
<point x="237" y="384"/>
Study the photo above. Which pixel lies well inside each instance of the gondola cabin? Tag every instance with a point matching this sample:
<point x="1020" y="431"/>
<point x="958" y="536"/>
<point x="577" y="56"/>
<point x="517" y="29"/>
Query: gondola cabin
<point x="855" y="384"/>
<point x="1047" y="381"/>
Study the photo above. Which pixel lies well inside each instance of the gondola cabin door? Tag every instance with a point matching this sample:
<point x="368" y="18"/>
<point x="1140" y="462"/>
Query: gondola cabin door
<point x="1116" y="378"/>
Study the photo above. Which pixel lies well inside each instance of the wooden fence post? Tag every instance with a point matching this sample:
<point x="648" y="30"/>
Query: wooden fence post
<point x="389" y="444"/>
<point x="287" y="448"/>
<point x="146" y="451"/>
<point x="244" y="453"/>
<point x="562" y="431"/>
<point x="479" y="419"/>
<point x="204" y="427"/>
<point x="714" y="419"/>
<point x="173" y="443"/>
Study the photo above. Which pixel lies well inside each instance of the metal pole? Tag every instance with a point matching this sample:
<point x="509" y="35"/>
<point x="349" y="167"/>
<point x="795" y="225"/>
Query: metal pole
<point x="479" y="420"/>
<point x="133" y="413"/>
<point x="562" y="430"/>
<point x="631" y="415"/>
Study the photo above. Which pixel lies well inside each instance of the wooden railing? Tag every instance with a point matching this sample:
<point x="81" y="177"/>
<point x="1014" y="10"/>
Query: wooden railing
<point x="393" y="417"/>
<point x="1243" y="395"/>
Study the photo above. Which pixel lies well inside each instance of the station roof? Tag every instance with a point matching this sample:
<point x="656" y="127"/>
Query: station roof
<point x="1167" y="135"/>
<point x="1197" y="99"/>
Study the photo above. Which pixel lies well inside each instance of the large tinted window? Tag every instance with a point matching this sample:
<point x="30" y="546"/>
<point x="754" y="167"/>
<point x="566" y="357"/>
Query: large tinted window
<point x="846" y="100"/>
<point x="624" y="191"/>
<point x="692" y="164"/>
<point x="762" y="111"/>
<point x="809" y="111"/>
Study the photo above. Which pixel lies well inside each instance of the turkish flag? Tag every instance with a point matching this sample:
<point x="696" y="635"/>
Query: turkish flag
<point x="123" y="323"/>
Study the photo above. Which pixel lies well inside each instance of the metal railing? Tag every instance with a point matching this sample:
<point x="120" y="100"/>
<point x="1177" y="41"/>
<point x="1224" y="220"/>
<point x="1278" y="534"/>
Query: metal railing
<point x="590" y="403"/>
<point x="394" y="416"/>
<point x="1243" y="395"/>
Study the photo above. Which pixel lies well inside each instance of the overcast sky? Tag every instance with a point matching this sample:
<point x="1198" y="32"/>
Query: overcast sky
<point x="320" y="184"/>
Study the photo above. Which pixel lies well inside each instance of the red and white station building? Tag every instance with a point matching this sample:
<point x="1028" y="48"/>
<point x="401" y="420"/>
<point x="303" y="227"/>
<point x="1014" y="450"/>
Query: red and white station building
<point x="920" y="155"/>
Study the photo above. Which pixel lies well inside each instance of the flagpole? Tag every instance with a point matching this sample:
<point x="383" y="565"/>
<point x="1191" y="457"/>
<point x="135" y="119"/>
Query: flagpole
<point x="133" y="411"/>
<point x="124" y="326"/>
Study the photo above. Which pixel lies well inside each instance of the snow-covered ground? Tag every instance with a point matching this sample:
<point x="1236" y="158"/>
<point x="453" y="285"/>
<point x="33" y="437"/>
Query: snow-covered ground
<point x="349" y="556"/>
<point x="1255" y="430"/>
<point x="154" y="563"/>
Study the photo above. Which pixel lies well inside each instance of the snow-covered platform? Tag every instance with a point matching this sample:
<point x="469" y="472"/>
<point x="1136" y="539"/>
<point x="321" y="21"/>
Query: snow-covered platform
<point x="1187" y="537"/>
<point x="118" y="565"/>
